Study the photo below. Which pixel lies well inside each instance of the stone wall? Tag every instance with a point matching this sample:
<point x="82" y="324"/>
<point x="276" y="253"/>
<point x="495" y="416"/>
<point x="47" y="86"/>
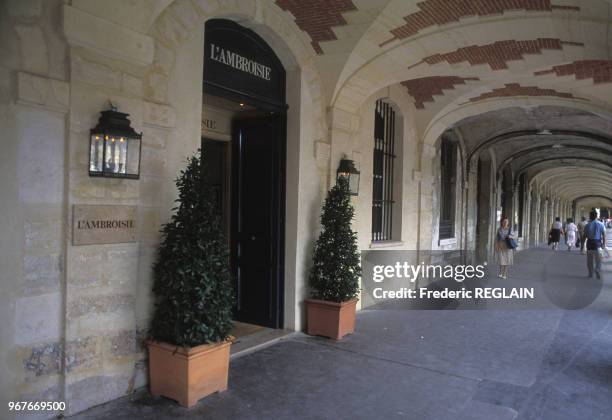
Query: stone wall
<point x="108" y="292"/>
<point x="34" y="100"/>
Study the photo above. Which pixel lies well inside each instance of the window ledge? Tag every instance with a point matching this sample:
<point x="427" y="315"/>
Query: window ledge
<point x="386" y="244"/>
<point x="447" y="241"/>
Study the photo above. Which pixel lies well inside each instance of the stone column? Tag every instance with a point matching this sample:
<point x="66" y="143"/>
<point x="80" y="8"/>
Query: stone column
<point x="527" y="219"/>
<point x="545" y="216"/>
<point x="551" y="211"/>
<point x="471" y="197"/>
<point x="427" y="183"/>
<point x="535" y="218"/>
<point x="108" y="287"/>
<point x="34" y="110"/>
<point x="345" y="141"/>
<point x="564" y="213"/>
<point x="509" y="207"/>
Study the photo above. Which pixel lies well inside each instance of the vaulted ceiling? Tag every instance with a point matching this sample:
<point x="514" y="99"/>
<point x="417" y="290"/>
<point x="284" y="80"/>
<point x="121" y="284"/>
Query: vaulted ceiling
<point x="551" y="57"/>
<point x="568" y="150"/>
<point x="499" y="71"/>
<point x="451" y="52"/>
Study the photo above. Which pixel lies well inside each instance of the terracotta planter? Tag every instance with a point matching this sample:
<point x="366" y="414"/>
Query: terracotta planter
<point x="330" y="319"/>
<point x="188" y="374"/>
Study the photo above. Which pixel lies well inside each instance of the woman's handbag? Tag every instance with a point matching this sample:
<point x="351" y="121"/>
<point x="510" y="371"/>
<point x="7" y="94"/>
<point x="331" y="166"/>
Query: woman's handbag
<point x="549" y="237"/>
<point x="510" y="242"/>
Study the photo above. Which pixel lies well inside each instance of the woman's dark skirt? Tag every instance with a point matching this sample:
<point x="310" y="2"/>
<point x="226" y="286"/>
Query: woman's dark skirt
<point x="555" y="235"/>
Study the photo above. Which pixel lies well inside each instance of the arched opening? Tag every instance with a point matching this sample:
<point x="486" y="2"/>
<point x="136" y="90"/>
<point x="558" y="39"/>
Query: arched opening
<point x="387" y="172"/>
<point x="244" y="126"/>
<point x="533" y="150"/>
<point x="383" y="147"/>
<point x="448" y="193"/>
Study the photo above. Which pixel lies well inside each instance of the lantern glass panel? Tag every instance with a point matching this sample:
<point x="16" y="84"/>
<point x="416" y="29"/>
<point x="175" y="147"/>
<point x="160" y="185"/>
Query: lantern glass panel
<point x="96" y="153"/>
<point x="132" y="156"/>
<point x="114" y="155"/>
<point x="109" y="143"/>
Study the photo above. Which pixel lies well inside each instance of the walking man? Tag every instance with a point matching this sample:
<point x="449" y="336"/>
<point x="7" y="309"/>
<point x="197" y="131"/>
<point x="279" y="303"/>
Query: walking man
<point x="582" y="235"/>
<point x="596" y="239"/>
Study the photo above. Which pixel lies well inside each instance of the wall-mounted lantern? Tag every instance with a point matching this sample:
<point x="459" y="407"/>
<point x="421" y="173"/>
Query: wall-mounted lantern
<point x="347" y="170"/>
<point x="114" y="147"/>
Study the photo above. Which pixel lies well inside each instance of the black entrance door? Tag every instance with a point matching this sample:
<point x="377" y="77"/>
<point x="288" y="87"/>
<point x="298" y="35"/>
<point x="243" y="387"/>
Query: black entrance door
<point x="257" y="226"/>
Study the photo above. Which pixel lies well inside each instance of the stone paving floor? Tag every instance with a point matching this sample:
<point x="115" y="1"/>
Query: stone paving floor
<point x="494" y="364"/>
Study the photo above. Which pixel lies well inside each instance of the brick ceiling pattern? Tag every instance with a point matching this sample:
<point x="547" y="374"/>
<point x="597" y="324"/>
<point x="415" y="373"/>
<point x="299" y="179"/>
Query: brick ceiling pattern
<point x="423" y="89"/>
<point x="498" y="54"/>
<point x="317" y="17"/>
<point x="441" y="12"/>
<point x="598" y="70"/>
<point x="514" y="89"/>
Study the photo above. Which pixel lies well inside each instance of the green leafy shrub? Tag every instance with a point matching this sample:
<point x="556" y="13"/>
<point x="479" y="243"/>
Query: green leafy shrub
<point x="336" y="271"/>
<point x="192" y="286"/>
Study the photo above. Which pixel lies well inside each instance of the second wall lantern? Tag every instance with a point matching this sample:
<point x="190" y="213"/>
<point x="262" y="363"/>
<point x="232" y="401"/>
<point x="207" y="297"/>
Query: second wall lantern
<point x="347" y="170"/>
<point x="114" y="147"/>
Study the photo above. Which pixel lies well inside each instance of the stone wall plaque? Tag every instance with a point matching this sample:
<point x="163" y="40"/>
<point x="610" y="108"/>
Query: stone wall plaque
<point x="103" y="224"/>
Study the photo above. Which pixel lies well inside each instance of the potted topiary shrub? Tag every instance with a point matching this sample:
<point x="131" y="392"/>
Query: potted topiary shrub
<point x="334" y="278"/>
<point x="190" y="341"/>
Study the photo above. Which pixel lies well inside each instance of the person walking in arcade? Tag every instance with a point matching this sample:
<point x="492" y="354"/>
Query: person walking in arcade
<point x="582" y="236"/>
<point x="504" y="247"/>
<point x="570" y="234"/>
<point x="555" y="233"/>
<point x="596" y="241"/>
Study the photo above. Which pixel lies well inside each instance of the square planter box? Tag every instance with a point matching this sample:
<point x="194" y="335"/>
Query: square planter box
<point x="188" y="374"/>
<point x="330" y="319"/>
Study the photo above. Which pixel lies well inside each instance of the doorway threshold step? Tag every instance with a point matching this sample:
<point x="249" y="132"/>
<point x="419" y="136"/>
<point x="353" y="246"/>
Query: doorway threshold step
<point x="257" y="341"/>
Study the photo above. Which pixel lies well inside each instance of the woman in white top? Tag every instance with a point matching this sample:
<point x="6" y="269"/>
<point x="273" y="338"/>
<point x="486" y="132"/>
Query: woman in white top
<point x="570" y="234"/>
<point x="555" y="233"/>
<point x="503" y="253"/>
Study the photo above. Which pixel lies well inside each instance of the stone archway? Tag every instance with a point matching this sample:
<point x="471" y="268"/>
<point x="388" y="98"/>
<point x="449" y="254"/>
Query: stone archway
<point x="306" y="124"/>
<point x="175" y="23"/>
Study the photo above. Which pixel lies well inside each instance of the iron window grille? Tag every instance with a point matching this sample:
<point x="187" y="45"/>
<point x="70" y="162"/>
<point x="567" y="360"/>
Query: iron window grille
<point x="479" y="193"/>
<point x="448" y="166"/>
<point x="521" y="203"/>
<point x="382" y="182"/>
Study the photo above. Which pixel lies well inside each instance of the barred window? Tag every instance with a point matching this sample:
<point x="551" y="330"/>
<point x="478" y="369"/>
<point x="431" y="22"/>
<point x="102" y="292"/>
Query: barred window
<point x="521" y="201"/>
<point x="383" y="169"/>
<point x="448" y="166"/>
